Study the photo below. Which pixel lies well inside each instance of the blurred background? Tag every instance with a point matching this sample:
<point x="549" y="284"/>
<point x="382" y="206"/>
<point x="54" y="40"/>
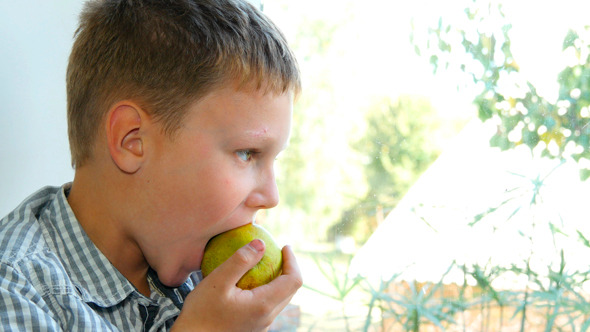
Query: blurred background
<point x="436" y="174"/>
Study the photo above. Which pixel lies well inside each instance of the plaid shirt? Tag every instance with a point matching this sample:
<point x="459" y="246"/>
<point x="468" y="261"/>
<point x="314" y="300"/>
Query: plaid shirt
<point x="53" y="278"/>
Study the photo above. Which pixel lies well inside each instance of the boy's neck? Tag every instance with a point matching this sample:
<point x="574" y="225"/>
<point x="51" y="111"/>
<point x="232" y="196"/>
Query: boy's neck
<point x="96" y="207"/>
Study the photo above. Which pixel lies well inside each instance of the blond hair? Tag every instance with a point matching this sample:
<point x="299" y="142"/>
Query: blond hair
<point x="166" y="54"/>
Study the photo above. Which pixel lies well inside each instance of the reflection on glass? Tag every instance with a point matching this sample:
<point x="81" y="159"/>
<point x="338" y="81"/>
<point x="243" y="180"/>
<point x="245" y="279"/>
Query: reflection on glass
<point x="437" y="172"/>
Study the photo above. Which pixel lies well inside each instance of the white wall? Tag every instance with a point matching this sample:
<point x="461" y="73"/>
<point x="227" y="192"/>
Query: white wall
<point x="35" y="41"/>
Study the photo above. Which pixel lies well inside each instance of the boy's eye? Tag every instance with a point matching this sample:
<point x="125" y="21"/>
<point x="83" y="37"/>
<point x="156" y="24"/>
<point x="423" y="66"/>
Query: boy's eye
<point x="245" y="155"/>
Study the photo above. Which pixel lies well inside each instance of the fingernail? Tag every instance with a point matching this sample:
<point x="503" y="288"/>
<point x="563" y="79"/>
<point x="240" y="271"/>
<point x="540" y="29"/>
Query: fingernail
<point x="257" y="244"/>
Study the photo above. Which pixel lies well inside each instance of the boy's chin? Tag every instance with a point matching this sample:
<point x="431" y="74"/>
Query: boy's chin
<point x="173" y="283"/>
<point x="173" y="279"/>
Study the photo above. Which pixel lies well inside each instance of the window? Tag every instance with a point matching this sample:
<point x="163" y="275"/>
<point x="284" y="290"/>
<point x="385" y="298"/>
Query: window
<point x="435" y="177"/>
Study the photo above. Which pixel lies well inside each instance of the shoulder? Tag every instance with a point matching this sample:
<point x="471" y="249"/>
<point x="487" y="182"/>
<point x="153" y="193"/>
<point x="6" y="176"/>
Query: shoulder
<point x="25" y="256"/>
<point x="37" y="295"/>
<point x="24" y="250"/>
<point x="25" y="262"/>
<point x="21" y="234"/>
<point x="36" y="290"/>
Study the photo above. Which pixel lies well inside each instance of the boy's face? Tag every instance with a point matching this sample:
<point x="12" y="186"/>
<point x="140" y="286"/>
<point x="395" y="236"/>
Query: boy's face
<point x="214" y="175"/>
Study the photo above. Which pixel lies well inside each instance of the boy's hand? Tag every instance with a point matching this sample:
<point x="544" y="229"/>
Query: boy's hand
<point x="217" y="304"/>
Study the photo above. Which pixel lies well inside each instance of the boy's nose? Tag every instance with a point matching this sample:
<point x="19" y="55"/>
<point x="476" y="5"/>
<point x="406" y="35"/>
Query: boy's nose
<point x="266" y="193"/>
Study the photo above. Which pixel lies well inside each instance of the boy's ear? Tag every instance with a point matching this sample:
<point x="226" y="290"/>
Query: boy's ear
<point x="124" y="137"/>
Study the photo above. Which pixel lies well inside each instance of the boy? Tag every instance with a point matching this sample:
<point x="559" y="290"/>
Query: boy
<point x="177" y="110"/>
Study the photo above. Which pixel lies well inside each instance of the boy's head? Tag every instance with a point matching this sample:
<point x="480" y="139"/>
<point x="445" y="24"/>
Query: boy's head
<point x="165" y="55"/>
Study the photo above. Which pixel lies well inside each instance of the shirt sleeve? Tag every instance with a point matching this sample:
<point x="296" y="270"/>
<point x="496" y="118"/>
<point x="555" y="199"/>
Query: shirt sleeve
<point x="23" y="308"/>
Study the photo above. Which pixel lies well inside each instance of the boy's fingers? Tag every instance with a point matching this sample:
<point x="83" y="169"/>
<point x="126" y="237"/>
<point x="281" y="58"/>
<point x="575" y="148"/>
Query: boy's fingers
<point x="239" y="263"/>
<point x="290" y="266"/>
<point x="277" y="294"/>
<point x="285" y="285"/>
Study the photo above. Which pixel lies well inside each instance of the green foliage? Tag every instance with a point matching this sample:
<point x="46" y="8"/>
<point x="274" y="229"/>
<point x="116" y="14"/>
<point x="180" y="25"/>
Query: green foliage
<point x="558" y="129"/>
<point x="316" y="176"/>
<point x="419" y="305"/>
<point x="341" y="282"/>
<point x="416" y="305"/>
<point x="313" y="41"/>
<point x="553" y="300"/>
<point x="549" y="297"/>
<point x="398" y="145"/>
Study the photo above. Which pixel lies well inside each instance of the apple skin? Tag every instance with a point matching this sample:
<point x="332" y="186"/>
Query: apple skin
<point x="222" y="246"/>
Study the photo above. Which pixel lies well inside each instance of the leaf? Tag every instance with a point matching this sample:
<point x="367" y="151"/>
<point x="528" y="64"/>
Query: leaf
<point x="321" y="292"/>
<point x="556" y="230"/>
<point x="583" y="239"/>
<point x="530" y="138"/>
<point x="513" y="213"/>
<point x="585" y="325"/>
<point x="570" y="39"/>
<point x="500" y="141"/>
<point x="434" y="61"/>
<point x="484" y="111"/>
<point x="493" y="209"/>
<point x="431" y="317"/>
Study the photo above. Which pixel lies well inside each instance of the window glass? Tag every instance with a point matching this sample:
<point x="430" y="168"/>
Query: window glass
<point x="436" y="175"/>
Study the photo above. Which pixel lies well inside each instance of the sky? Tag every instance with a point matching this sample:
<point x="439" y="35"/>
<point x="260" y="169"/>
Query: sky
<point x="37" y="36"/>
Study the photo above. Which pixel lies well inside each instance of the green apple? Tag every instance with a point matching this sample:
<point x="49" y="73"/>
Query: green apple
<point x="222" y="246"/>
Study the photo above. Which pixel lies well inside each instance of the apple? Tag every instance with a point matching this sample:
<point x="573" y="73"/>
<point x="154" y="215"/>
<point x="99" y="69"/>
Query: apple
<point x="222" y="246"/>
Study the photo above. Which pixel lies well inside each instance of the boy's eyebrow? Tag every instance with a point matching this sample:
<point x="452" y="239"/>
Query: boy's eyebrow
<point x="257" y="135"/>
<point x="261" y="133"/>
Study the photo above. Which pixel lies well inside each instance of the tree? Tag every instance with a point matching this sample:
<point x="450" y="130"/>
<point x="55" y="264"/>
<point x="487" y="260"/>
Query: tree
<point x="559" y="129"/>
<point x="398" y="146"/>
<point x="400" y="142"/>
<point x="315" y="178"/>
